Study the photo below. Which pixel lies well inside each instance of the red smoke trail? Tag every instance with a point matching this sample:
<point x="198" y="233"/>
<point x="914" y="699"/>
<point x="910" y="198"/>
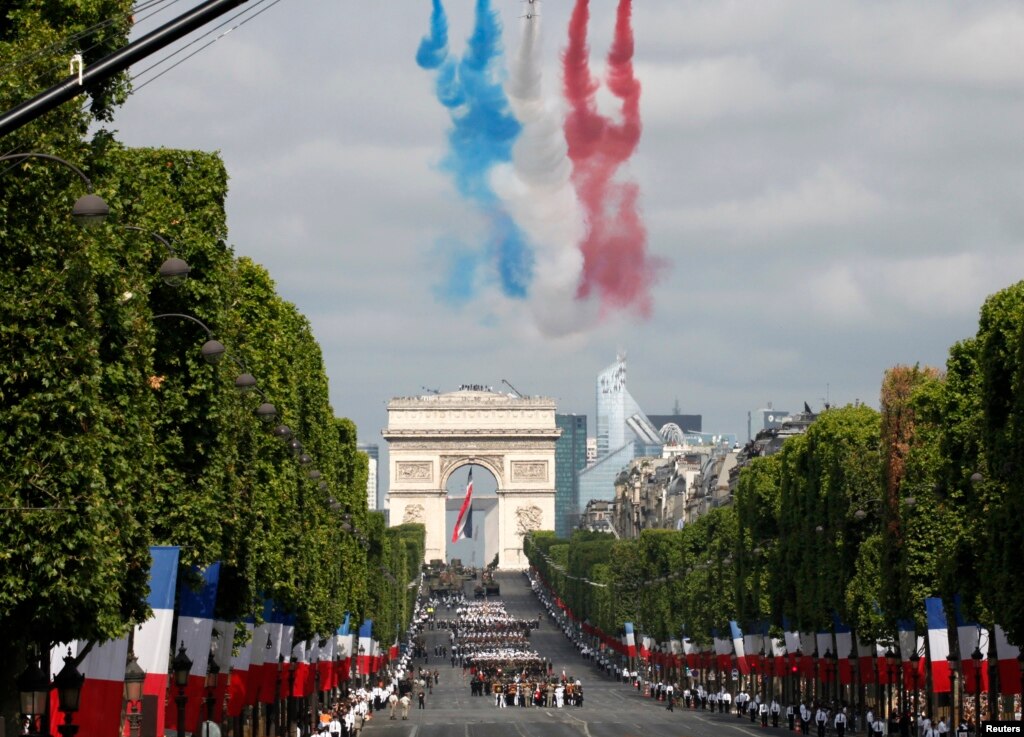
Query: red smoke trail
<point x="615" y="260"/>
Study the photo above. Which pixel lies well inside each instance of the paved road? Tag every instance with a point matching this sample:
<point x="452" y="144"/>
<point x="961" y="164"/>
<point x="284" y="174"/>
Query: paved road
<point x="611" y="709"/>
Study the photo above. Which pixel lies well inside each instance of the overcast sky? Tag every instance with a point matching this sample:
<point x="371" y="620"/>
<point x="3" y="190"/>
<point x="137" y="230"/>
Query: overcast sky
<point x="834" y="187"/>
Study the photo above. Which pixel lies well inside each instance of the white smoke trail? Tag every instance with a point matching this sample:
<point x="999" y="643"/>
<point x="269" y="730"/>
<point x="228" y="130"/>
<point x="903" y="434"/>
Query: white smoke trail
<point x="538" y="193"/>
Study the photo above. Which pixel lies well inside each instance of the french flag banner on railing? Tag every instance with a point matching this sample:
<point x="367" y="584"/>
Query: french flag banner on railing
<point x="938" y="645"/>
<point x="262" y="645"/>
<point x="753" y="643"/>
<point x="646" y="643"/>
<point x="792" y="636"/>
<point x="866" y="661"/>
<point x="723" y="650"/>
<point x="328" y="674"/>
<point x="823" y="644"/>
<point x="300" y="675"/>
<point x="844" y="646"/>
<point x="223" y="643"/>
<point x="630" y="640"/>
<point x="971" y="635"/>
<point x="275" y="643"/>
<point x="345" y="650"/>
<point x="690" y="653"/>
<point x="365" y="646"/>
<point x="807" y="646"/>
<point x="102" y="690"/>
<point x="1009" y="666"/>
<point x="238" y="694"/>
<point x="153" y="637"/>
<point x="778" y="655"/>
<point x="738" y="647"/>
<point x="195" y="631"/>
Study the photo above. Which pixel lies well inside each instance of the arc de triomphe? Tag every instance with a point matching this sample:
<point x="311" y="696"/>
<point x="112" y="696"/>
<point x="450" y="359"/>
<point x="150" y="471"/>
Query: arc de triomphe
<point x="431" y="436"/>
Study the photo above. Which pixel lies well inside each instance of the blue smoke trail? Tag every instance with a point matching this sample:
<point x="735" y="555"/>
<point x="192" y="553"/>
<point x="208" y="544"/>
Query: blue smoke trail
<point x="482" y="134"/>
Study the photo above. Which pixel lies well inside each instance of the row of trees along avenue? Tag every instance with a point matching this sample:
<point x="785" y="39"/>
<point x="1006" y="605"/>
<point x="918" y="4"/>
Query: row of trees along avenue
<point x="864" y="515"/>
<point x="115" y="435"/>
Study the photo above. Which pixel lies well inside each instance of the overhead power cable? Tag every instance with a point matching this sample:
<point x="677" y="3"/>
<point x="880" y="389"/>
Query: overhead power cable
<point x="71" y="41"/>
<point x="136" y="88"/>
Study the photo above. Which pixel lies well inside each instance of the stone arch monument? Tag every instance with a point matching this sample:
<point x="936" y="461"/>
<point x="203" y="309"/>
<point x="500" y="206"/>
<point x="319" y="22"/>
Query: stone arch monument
<point x="513" y="437"/>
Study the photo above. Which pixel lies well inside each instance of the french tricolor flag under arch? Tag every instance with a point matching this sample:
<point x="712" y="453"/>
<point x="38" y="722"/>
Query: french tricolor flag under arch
<point x="195" y="630"/>
<point x="464" y="522"/>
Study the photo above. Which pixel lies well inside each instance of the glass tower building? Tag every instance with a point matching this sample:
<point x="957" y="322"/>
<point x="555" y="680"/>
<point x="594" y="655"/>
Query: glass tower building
<point x="623" y="433"/>
<point x="570" y="459"/>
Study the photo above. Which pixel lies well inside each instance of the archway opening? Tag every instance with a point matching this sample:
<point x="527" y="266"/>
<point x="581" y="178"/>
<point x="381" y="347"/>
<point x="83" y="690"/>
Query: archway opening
<point x="481" y="519"/>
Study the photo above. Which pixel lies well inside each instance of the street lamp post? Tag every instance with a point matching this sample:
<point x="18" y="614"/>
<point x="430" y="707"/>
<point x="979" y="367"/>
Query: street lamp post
<point x="794" y="678"/>
<point x="225" y="719"/>
<point x="69" y="691"/>
<point x="181" y="666"/>
<point x="292" y="716"/>
<point x="34" y="688"/>
<point x="891" y="660"/>
<point x="915" y="662"/>
<point x="954" y="667"/>
<point x="277" y="696"/>
<point x="817" y="675"/>
<point x="977" y="657"/>
<point x="855" y="697"/>
<point x="833" y="669"/>
<point x="134" y="678"/>
<point x="212" y="671"/>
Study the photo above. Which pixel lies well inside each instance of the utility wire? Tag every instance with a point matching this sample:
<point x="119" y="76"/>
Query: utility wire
<point x="68" y="42"/>
<point x="204" y="46"/>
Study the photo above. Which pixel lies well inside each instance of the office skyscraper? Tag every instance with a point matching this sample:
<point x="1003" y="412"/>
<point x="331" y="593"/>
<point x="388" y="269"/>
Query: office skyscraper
<point x="372" y="450"/>
<point x="570" y="459"/>
<point x="623" y="433"/>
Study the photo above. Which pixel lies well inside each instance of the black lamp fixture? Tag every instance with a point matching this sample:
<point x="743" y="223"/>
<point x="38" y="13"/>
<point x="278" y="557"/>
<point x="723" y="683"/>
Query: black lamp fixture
<point x="245" y="382"/>
<point x="69" y="692"/>
<point x="266" y="412"/>
<point x="89" y="209"/>
<point x="174" y="271"/>
<point x="134" y="678"/>
<point x="181" y="666"/>
<point x="212" y="350"/>
<point x="212" y="671"/>
<point x="34" y="688"/>
<point x="314" y="475"/>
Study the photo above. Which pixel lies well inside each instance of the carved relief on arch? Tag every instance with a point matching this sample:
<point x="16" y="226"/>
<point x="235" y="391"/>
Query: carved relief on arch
<point x="528" y="519"/>
<point x="529" y="471"/>
<point x="414" y="513"/>
<point x="414" y="470"/>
